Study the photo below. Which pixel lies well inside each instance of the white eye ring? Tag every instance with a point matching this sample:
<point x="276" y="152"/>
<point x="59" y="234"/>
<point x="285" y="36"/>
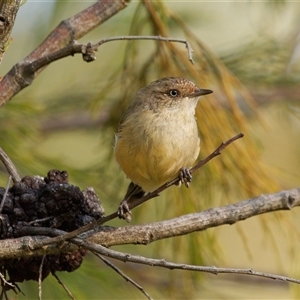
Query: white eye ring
<point x="173" y="93"/>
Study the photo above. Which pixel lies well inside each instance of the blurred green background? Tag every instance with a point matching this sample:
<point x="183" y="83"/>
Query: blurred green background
<point x="248" y="53"/>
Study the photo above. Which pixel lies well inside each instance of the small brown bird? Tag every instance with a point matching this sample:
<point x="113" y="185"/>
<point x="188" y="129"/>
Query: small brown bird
<point x="158" y="139"/>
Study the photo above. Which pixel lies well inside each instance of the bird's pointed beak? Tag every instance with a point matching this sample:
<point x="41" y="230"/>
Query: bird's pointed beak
<point x="201" y="92"/>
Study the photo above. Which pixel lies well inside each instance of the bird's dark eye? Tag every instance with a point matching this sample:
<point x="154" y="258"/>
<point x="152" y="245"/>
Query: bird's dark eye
<point x="173" y="93"/>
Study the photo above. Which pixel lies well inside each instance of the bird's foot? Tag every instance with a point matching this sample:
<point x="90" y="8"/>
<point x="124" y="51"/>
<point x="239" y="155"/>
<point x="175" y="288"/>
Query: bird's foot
<point x="185" y="176"/>
<point x="124" y="211"/>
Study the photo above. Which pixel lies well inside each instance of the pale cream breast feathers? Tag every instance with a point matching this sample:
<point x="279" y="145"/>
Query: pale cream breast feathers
<point x="151" y="156"/>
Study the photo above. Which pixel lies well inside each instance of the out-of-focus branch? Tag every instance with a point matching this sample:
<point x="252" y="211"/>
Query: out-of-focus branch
<point x="8" y="12"/>
<point x="82" y="119"/>
<point x="64" y="34"/>
<point x="73" y="120"/>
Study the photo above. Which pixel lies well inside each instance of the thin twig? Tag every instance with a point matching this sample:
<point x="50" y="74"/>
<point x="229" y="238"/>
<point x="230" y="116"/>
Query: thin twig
<point x="153" y="38"/>
<point x="64" y="286"/>
<point x="10" y="167"/>
<point x="39" y="220"/>
<point x="111" y="265"/>
<point x="216" y="152"/>
<point x="72" y="234"/>
<point x="126" y="257"/>
<point x="5" y="281"/>
<point x="41" y="277"/>
<point x="5" y="194"/>
<point x="88" y="51"/>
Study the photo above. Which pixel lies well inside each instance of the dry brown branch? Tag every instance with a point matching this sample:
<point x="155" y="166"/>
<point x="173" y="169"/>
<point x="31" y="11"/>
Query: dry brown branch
<point x="213" y="217"/>
<point x="8" y="12"/>
<point x="22" y="247"/>
<point x="64" y="34"/>
<point x="148" y="233"/>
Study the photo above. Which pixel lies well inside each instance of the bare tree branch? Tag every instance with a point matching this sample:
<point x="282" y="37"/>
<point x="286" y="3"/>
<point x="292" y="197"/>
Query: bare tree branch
<point x="213" y="217"/>
<point x="148" y="233"/>
<point x="126" y="257"/>
<point x="23" y="247"/>
<point x="8" y="12"/>
<point x="64" y="34"/>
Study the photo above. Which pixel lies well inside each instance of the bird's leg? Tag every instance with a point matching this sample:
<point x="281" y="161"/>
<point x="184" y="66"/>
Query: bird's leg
<point x="185" y="176"/>
<point x="134" y="191"/>
<point x="124" y="211"/>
